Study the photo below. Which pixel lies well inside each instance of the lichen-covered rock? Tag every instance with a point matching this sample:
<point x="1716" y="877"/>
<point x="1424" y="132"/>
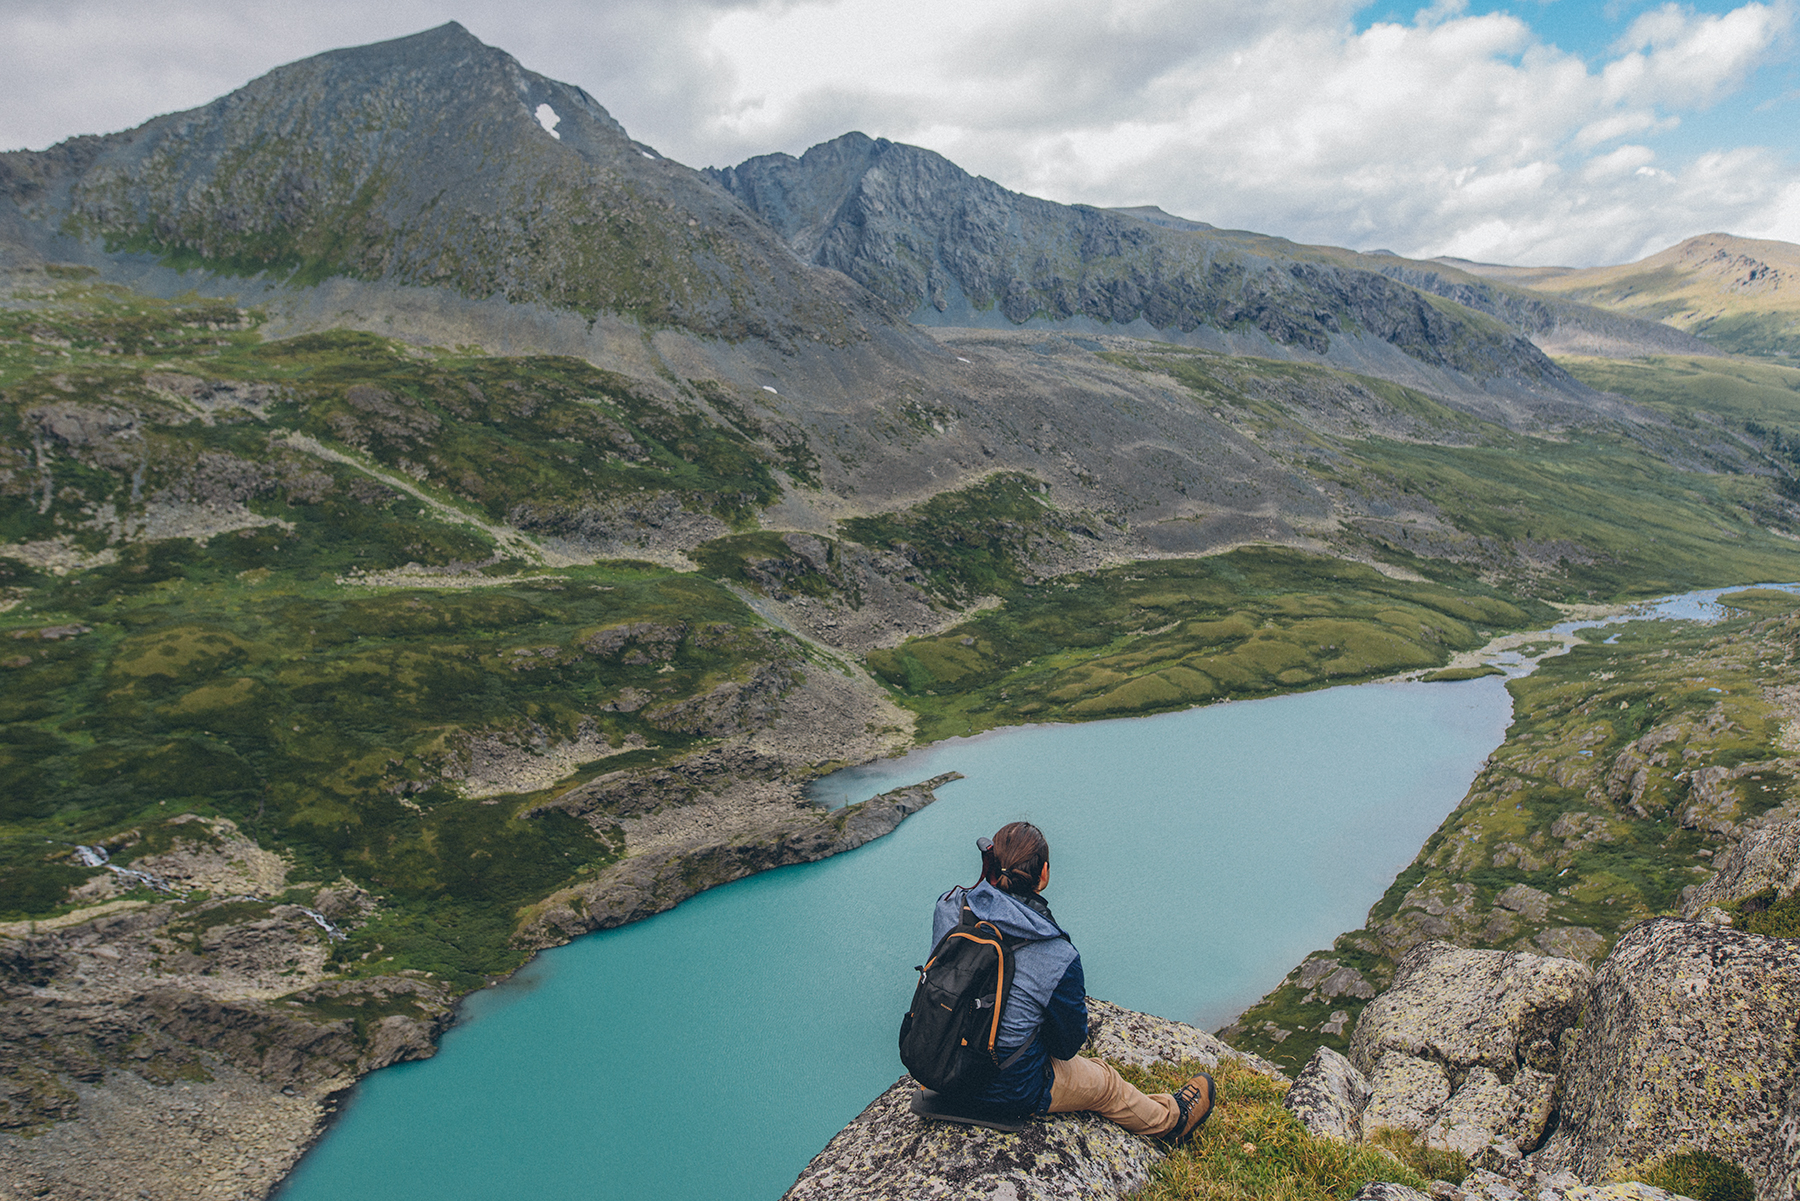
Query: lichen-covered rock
<point x="1405" y="1091"/>
<point x="1386" y="1190"/>
<point x="1462" y="1050"/>
<point x="1689" y="1044"/>
<point x="1328" y="1096"/>
<point x="1629" y="1190"/>
<point x="1127" y="1036"/>
<point x="1486" y="1109"/>
<point x="887" y="1154"/>
<point x="890" y="1154"/>
<point x="1324" y="979"/>
<point x="1522" y="898"/>
<point x="1766" y="857"/>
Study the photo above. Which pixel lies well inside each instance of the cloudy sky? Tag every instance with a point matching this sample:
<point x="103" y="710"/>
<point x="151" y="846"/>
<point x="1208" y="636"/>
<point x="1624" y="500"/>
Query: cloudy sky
<point x="1523" y="131"/>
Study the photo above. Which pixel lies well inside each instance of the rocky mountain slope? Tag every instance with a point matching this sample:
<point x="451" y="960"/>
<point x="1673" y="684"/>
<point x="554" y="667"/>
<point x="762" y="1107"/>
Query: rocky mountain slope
<point x="1637" y="762"/>
<point x="1740" y="295"/>
<point x="952" y="249"/>
<point x="424" y="161"/>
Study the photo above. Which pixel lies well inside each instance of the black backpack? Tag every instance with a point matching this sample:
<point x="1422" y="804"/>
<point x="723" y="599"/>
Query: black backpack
<point x="948" y="1039"/>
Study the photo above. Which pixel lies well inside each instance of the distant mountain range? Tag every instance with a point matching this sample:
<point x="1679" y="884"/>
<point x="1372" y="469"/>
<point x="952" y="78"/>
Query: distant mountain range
<point x="433" y="187"/>
<point x="948" y="248"/>
<point x="423" y="162"/>
<point x="1739" y="294"/>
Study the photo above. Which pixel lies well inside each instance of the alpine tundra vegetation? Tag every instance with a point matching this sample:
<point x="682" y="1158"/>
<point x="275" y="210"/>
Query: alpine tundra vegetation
<point x="427" y="535"/>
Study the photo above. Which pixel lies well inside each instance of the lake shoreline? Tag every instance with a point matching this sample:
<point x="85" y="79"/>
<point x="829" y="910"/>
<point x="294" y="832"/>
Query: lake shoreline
<point x="657" y="880"/>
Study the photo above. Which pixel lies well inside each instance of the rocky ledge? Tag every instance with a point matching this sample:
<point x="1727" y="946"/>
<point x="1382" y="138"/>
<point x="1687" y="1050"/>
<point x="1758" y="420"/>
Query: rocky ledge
<point x="1553" y="1079"/>
<point x="152" y="1050"/>
<point x="652" y="882"/>
<point x="888" y="1153"/>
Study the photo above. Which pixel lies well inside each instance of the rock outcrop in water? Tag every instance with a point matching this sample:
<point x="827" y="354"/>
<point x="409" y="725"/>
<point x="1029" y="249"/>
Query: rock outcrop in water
<point x="650" y="883"/>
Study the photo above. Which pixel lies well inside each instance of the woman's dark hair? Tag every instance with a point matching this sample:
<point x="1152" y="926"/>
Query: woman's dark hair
<point x="1015" y="859"/>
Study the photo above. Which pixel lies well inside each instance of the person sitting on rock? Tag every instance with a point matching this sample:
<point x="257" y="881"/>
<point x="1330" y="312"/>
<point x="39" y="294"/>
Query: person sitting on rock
<point x="1046" y="1012"/>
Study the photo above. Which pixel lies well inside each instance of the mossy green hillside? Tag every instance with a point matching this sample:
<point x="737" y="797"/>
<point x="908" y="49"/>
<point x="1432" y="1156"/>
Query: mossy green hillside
<point x="1737" y="390"/>
<point x="233" y="672"/>
<point x="765" y="562"/>
<point x="1595" y="513"/>
<point x="111" y="399"/>
<point x="333" y="724"/>
<point x="1165" y="635"/>
<point x="1588" y="818"/>
<point x="970" y="542"/>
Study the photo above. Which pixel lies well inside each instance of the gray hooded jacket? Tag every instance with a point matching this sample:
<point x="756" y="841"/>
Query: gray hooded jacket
<point x="1047" y="1010"/>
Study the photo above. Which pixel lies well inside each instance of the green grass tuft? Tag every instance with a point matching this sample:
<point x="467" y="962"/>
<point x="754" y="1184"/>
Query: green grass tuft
<point x="1768" y="913"/>
<point x="1699" y="1175"/>
<point x="1253" y="1149"/>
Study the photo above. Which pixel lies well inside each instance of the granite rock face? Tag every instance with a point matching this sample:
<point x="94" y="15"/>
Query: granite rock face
<point x="1329" y="1096"/>
<point x="1462" y="1050"/>
<point x="1387" y="1190"/>
<point x="1689" y="1044"/>
<point x="1765" y="857"/>
<point x="1141" y="1040"/>
<point x="887" y="1153"/>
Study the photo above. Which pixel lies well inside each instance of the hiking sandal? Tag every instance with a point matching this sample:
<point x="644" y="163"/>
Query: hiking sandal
<point x="1185" y="1099"/>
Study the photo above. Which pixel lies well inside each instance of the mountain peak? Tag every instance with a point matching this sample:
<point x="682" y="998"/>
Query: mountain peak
<point x="428" y="160"/>
<point x="1740" y="294"/>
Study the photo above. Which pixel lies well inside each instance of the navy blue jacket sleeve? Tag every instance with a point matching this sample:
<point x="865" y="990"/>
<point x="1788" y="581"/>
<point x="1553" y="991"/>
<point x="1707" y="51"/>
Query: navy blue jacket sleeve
<point x="1065" y="1027"/>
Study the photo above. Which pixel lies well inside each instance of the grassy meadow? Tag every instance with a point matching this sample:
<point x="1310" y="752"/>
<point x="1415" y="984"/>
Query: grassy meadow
<point x="1167" y="635"/>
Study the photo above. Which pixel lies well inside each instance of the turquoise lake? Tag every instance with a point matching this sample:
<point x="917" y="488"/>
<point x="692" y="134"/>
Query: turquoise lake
<point x="710" y="1052"/>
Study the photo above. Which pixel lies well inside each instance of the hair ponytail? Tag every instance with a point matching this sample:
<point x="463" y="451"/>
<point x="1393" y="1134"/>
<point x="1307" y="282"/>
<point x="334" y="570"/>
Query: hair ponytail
<point x="1013" y="861"/>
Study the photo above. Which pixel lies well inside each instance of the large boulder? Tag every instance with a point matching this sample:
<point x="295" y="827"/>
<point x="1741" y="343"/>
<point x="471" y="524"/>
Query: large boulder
<point x="1462" y="1050"/>
<point x="1328" y="1097"/>
<point x="1126" y="1036"/>
<point x="1765" y="857"/>
<point x="1689" y="1044"/>
<point x="888" y="1153"/>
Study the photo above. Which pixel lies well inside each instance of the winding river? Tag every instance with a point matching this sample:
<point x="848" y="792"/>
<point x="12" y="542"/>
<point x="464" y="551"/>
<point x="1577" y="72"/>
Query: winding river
<point x="709" y="1052"/>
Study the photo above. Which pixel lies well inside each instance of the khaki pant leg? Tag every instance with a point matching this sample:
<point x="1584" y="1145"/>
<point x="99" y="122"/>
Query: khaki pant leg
<point x="1091" y="1085"/>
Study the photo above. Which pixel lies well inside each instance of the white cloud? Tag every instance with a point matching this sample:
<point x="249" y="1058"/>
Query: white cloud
<point x="1451" y="132"/>
<point x="1624" y="160"/>
<point x="1676" y="58"/>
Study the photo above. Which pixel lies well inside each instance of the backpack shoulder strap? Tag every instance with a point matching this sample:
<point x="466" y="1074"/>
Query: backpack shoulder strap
<point x="968" y="912"/>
